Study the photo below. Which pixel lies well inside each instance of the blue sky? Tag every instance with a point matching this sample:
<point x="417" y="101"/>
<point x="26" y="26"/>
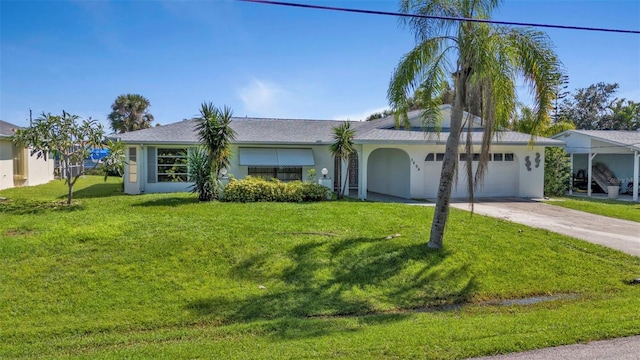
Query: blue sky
<point x="263" y="61"/>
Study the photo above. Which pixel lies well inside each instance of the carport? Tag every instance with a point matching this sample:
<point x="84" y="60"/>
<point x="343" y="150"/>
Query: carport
<point x="618" y="150"/>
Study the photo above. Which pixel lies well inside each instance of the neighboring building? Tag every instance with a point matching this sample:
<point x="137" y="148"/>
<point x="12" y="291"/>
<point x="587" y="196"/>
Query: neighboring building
<point x="618" y="150"/>
<point x="17" y="166"/>
<point x="402" y="163"/>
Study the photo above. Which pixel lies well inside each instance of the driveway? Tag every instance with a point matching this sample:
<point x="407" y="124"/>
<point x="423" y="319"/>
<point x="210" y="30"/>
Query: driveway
<point x="618" y="234"/>
<point x="617" y="349"/>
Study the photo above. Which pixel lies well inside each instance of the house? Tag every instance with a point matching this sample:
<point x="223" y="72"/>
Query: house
<point x="594" y="150"/>
<point x="397" y="162"/>
<point x="17" y="166"/>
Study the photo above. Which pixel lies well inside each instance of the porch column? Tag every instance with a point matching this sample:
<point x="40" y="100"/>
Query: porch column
<point x="636" y="166"/>
<point x="363" y="157"/>
<point x="589" y="178"/>
<point x="571" y="184"/>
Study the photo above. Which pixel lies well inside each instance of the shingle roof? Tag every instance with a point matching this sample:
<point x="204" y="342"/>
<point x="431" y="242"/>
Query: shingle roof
<point x="6" y="129"/>
<point x="248" y="130"/>
<point x="295" y="131"/>
<point x="629" y="139"/>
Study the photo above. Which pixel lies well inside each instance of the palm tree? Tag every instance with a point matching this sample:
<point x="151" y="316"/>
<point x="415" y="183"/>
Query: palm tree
<point x="481" y="55"/>
<point x="216" y="134"/>
<point x="342" y="148"/>
<point x="526" y="123"/>
<point x="129" y="113"/>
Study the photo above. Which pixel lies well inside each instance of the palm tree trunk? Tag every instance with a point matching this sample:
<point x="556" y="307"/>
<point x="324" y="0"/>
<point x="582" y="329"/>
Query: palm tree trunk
<point x="441" y="214"/>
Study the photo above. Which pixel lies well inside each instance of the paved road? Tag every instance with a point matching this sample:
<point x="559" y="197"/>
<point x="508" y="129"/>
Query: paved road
<point x="618" y="234"/>
<point x="617" y="349"/>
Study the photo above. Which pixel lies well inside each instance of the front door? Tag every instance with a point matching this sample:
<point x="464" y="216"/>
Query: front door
<point x="353" y="171"/>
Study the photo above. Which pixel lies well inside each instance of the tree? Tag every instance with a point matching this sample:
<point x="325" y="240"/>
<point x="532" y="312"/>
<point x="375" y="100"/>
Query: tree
<point x="114" y="161"/>
<point x="626" y="114"/>
<point x="480" y="55"/>
<point x="129" y="113"/>
<point x="216" y="134"/>
<point x="560" y="84"/>
<point x="589" y="108"/>
<point x="342" y="147"/>
<point x="65" y="137"/>
<point x="525" y="122"/>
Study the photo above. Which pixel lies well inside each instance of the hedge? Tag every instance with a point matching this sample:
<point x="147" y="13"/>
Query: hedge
<point x="252" y="189"/>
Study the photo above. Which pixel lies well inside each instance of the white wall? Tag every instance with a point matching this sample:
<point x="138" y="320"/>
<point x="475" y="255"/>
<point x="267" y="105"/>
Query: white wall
<point x="6" y="164"/>
<point x="504" y="178"/>
<point x="39" y="171"/>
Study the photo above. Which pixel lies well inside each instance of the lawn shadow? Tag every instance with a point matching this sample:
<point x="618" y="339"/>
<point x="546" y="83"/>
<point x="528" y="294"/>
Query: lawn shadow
<point x="171" y="201"/>
<point x="97" y="191"/>
<point x="371" y="279"/>
<point x="24" y="207"/>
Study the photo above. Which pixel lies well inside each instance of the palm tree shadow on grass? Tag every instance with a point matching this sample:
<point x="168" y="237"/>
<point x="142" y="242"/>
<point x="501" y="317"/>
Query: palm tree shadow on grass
<point x="375" y="280"/>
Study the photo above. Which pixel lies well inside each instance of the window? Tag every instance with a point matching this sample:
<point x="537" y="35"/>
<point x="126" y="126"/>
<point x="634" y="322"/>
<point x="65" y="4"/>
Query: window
<point x="172" y="165"/>
<point x="133" y="166"/>
<point x="439" y="156"/>
<point x="508" y="157"/>
<point x="497" y="157"/>
<point x="429" y="157"/>
<point x="281" y="173"/>
<point x="463" y="156"/>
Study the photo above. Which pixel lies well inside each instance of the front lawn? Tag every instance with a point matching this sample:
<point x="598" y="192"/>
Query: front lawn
<point x="624" y="210"/>
<point x="163" y="276"/>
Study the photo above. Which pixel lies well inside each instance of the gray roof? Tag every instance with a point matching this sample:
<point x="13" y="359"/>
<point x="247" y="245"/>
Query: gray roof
<point x="6" y="129"/>
<point x="295" y="131"/>
<point x="626" y="138"/>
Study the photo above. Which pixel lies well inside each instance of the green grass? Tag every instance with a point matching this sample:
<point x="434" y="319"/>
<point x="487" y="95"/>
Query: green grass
<point x="163" y="276"/>
<point x="624" y="210"/>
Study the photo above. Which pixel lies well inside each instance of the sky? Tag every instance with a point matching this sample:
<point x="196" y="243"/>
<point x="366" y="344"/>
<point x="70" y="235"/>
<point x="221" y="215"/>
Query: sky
<point x="261" y="60"/>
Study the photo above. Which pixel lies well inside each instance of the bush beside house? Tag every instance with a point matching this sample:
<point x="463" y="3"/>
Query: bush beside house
<point x="252" y="189"/>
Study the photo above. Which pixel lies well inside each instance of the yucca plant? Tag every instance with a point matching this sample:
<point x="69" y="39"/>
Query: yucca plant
<point x="199" y="165"/>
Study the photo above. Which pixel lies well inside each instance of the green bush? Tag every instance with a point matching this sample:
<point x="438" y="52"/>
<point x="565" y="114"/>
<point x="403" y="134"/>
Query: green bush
<point x="252" y="189"/>
<point x="557" y="171"/>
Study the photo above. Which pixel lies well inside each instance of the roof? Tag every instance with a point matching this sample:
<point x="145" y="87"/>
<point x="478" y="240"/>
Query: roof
<point x="248" y="130"/>
<point x="307" y="132"/>
<point x="624" y="138"/>
<point x="6" y="129"/>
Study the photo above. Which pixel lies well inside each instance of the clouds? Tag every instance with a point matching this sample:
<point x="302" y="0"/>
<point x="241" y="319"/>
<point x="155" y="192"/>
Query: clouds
<point x="262" y="98"/>
<point x="359" y="116"/>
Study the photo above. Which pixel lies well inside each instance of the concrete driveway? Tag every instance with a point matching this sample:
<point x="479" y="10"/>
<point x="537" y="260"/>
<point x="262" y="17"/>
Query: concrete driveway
<point x="617" y="349"/>
<point x="618" y="234"/>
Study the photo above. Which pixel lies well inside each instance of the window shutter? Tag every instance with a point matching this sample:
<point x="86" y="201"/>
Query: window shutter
<point x="152" y="167"/>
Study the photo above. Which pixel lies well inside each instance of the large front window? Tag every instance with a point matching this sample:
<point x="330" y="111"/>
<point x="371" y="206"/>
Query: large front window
<point x="172" y="165"/>
<point x="280" y="173"/>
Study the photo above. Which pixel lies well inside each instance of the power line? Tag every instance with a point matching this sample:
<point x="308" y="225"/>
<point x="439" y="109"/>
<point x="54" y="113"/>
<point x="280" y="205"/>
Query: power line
<point x="389" y="13"/>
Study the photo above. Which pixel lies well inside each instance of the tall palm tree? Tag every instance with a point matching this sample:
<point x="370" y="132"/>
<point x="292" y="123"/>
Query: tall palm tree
<point x="216" y="134"/>
<point x="129" y="113"/>
<point x="480" y="55"/>
<point x="342" y="147"/>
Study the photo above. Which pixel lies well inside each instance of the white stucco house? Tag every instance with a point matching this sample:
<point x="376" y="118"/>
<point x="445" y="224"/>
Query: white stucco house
<point x="402" y="163"/>
<point x="618" y="150"/>
<point x="17" y="166"/>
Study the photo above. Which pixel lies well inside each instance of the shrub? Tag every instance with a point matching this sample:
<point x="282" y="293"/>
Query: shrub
<point x="557" y="171"/>
<point x="252" y="189"/>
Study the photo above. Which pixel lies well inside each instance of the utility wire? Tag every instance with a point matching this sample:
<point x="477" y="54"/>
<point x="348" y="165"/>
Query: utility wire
<point x="389" y="13"/>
